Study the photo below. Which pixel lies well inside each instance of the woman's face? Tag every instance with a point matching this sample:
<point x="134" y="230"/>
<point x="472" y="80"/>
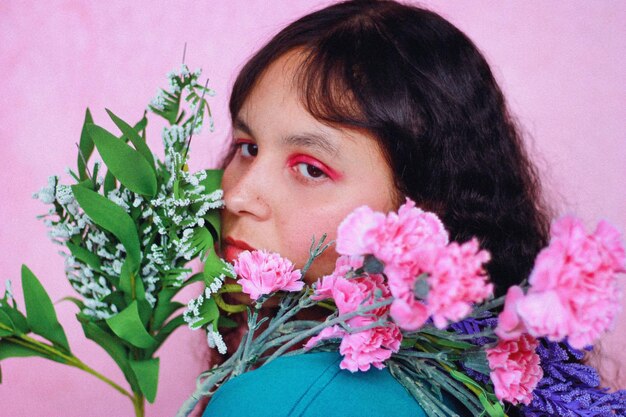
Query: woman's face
<point x="293" y="178"/>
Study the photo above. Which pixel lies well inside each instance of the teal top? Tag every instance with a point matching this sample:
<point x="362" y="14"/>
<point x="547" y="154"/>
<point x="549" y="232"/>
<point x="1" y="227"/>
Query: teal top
<point x="312" y="385"/>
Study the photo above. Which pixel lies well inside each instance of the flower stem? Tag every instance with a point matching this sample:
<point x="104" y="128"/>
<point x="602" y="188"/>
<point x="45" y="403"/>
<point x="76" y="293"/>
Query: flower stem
<point x="203" y="387"/>
<point x="69" y="359"/>
<point x="340" y="319"/>
<point x="229" y="308"/>
<point x="138" y="405"/>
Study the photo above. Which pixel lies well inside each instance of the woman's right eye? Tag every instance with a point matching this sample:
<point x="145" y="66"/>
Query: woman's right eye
<point x="248" y="149"/>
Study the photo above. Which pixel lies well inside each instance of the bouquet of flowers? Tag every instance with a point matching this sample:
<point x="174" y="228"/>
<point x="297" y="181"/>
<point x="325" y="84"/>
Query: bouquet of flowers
<point x="129" y="233"/>
<point x="403" y="296"/>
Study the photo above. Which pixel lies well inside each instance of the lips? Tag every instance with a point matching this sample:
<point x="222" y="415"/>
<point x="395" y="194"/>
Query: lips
<point x="232" y="248"/>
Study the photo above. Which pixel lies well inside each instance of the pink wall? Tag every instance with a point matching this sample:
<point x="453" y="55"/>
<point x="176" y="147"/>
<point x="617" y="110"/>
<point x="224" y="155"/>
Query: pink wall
<point x="560" y="63"/>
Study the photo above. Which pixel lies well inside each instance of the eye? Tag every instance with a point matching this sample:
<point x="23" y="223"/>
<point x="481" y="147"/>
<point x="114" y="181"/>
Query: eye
<point x="310" y="171"/>
<point x="248" y="149"/>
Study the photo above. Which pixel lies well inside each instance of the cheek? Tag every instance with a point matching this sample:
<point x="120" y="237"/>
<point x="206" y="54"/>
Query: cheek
<point x="229" y="176"/>
<point x="296" y="240"/>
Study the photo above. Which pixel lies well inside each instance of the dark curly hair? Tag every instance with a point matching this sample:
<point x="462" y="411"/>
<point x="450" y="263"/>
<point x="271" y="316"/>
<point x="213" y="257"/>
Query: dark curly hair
<point x="425" y="92"/>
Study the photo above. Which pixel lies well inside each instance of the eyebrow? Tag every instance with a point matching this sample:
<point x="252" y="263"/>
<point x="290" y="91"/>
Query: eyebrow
<point x="306" y="140"/>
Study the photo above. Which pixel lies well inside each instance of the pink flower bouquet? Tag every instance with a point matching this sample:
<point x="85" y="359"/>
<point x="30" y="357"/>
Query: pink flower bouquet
<point x="401" y="295"/>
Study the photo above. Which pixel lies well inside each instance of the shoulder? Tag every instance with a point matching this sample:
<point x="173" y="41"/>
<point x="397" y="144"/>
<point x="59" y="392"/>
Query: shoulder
<point x="312" y="385"/>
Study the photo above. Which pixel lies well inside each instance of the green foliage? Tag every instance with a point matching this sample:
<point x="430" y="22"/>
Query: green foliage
<point x="84" y="255"/>
<point x="11" y="350"/>
<point x="133" y="136"/>
<point x="128" y="326"/>
<point x="127" y="165"/>
<point x="112" y="218"/>
<point x="8" y="328"/>
<point x="147" y="373"/>
<point x="130" y="228"/>
<point x="114" y="346"/>
<point x="40" y="313"/>
<point x="85" y="147"/>
<point x="208" y="313"/>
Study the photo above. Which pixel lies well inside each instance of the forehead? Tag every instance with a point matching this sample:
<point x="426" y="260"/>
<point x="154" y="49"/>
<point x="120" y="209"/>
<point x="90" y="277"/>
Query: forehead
<point x="278" y="81"/>
<point x="274" y="107"/>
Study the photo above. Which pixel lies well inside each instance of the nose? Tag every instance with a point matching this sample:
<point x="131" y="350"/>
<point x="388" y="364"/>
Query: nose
<point x="245" y="192"/>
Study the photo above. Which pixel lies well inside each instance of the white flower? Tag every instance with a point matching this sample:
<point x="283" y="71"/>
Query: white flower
<point x="8" y="290"/>
<point x="214" y="339"/>
<point x="214" y="287"/>
<point x="158" y="102"/>
<point x="64" y="194"/>
<point x="47" y="194"/>
<point x="117" y="266"/>
<point x="121" y="199"/>
<point x="150" y="299"/>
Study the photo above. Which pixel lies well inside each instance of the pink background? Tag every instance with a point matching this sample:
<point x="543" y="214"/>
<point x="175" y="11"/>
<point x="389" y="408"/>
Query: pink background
<point x="558" y="62"/>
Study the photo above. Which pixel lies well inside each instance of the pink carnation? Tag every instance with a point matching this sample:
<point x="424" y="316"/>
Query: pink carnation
<point x="363" y="349"/>
<point x="573" y="287"/>
<point x="349" y="294"/>
<point x="262" y="273"/>
<point x="369" y="347"/>
<point x="510" y="325"/>
<point x="455" y="280"/>
<point x="357" y="231"/>
<point x="396" y="238"/>
<point x="408" y="313"/>
<point x="343" y="265"/>
<point x="515" y="369"/>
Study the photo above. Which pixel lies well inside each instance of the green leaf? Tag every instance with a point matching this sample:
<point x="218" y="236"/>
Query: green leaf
<point x="147" y="373"/>
<point x="113" y="218"/>
<point x="202" y="241"/>
<point x="168" y="329"/>
<point x="75" y="301"/>
<point x="114" y="347"/>
<point x="109" y="182"/>
<point x="164" y="310"/>
<point x="145" y="309"/>
<point x="165" y="307"/>
<point x="408" y="342"/>
<point x="477" y="361"/>
<point x="128" y="165"/>
<point x="494" y="409"/>
<point x="213" y="180"/>
<point x="170" y="108"/>
<point x="137" y="141"/>
<point x="128" y="326"/>
<point x="19" y="321"/>
<point x="225" y="322"/>
<point x="12" y="350"/>
<point x="130" y="284"/>
<point x="40" y="312"/>
<point x="5" y="321"/>
<point x="213" y="224"/>
<point x="209" y="313"/>
<point x="214" y="266"/>
<point x="85" y="146"/>
<point x="141" y="125"/>
<point x="84" y="255"/>
<point x="94" y="176"/>
<point x="459" y="344"/>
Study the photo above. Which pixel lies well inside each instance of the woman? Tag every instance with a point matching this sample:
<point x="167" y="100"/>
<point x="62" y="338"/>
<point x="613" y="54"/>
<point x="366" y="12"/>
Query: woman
<point x="370" y="102"/>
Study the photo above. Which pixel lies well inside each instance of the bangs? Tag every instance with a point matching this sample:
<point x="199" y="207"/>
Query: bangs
<point x="347" y="73"/>
<point x="328" y="83"/>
